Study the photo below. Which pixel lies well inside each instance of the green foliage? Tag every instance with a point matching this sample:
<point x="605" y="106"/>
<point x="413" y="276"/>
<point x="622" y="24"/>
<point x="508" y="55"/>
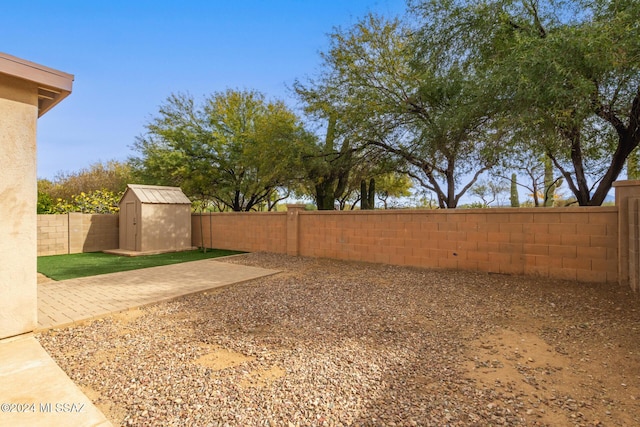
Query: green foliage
<point x="45" y="203"/>
<point x="565" y="74"/>
<point x="488" y="191"/>
<point x="94" y="202"/>
<point x="633" y="165"/>
<point x="111" y="176"/>
<point x="392" y="185"/>
<point x="328" y="166"/>
<point x="96" y="189"/>
<point x="419" y="112"/>
<point x="474" y="205"/>
<point x="235" y="148"/>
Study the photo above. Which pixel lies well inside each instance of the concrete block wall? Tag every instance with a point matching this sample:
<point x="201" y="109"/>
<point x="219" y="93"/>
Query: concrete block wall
<point x="571" y="243"/>
<point x="99" y="232"/>
<point x="241" y="231"/>
<point x="580" y="243"/>
<point x="76" y="233"/>
<point x="567" y="243"/>
<point x="53" y="234"/>
<point x="627" y="196"/>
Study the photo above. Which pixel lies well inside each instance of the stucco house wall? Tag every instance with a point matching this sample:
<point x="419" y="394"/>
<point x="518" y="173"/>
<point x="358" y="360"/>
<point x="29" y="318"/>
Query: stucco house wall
<point x="27" y="91"/>
<point x="18" y="291"/>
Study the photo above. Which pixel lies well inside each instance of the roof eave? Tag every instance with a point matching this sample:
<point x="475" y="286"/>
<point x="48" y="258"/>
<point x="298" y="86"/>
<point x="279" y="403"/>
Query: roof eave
<point x="53" y="85"/>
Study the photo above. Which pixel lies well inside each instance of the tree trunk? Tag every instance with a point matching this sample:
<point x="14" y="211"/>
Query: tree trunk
<point x="628" y="140"/>
<point x="324" y="196"/>
<point x="367" y="195"/>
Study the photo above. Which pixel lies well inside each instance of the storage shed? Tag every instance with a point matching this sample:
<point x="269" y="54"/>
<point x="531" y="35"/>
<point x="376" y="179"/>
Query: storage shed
<point x="154" y="219"/>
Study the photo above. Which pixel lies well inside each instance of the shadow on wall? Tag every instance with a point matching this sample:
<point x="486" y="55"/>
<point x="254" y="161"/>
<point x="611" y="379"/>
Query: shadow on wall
<point x="162" y="227"/>
<point x="99" y="232"/>
<point x="76" y="232"/>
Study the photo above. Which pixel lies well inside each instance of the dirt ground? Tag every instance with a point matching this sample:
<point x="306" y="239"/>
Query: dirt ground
<point x="373" y="344"/>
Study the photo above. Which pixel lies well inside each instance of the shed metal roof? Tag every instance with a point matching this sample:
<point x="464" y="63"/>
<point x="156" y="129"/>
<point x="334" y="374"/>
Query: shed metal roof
<point x="158" y="195"/>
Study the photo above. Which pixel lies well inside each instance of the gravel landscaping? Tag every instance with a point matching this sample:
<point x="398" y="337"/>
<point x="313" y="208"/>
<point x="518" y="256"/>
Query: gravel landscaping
<point x="330" y="343"/>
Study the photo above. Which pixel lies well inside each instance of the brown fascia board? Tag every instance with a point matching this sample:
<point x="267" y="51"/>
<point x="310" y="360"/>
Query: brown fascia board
<point x="53" y="85"/>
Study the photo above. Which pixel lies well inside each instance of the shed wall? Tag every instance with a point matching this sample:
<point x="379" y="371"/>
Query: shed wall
<point x="165" y="227"/>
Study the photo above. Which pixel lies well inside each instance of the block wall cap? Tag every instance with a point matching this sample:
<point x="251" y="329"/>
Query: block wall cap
<point x="627" y="183"/>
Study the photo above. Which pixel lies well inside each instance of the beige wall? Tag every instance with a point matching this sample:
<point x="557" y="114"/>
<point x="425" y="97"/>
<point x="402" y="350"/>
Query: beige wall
<point x="578" y="243"/>
<point x="76" y="233"/>
<point x="18" y="291"/>
<point x="242" y="231"/>
<point x="165" y="227"/>
<point x="53" y="235"/>
<point x="573" y="243"/>
<point x="628" y="202"/>
<point x="567" y="243"/>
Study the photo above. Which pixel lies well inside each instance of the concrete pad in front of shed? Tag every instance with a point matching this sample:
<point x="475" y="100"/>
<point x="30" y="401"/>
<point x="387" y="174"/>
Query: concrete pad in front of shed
<point x="126" y="252"/>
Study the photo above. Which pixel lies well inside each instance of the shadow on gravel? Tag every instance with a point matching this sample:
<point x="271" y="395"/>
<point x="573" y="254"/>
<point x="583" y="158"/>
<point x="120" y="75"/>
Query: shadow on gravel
<point x="337" y="343"/>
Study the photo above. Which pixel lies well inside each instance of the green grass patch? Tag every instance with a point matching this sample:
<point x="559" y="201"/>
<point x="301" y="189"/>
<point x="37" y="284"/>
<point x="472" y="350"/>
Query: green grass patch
<point x="62" y="267"/>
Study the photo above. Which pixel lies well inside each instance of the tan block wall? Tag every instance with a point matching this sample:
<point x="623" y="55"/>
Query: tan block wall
<point x="571" y="243"/>
<point x="567" y="243"/>
<point x="242" y="231"/>
<point x="626" y="193"/>
<point x="100" y="232"/>
<point x="53" y="234"/>
<point x="76" y="233"/>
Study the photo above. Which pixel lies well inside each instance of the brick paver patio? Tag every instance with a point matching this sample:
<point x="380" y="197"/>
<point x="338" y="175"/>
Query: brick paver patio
<point x="71" y="301"/>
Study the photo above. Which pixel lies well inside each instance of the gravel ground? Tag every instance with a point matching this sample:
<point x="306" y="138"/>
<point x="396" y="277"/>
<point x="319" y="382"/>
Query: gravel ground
<point x="329" y="343"/>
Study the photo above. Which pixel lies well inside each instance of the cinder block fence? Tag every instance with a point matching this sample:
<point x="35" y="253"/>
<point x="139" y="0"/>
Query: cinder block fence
<point x="74" y="233"/>
<point x="568" y="243"/>
<point x="586" y="244"/>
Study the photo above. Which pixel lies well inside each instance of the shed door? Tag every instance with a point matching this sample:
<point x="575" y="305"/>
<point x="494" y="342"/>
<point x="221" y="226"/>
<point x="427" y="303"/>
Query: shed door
<point x="131" y="226"/>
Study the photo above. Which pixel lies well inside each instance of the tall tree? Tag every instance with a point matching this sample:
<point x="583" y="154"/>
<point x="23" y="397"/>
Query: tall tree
<point x="328" y="166"/>
<point x="567" y="72"/>
<point x="236" y="148"/>
<point x="421" y="111"/>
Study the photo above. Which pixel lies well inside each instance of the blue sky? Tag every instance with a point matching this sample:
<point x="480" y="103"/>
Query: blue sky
<point x="129" y="56"/>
